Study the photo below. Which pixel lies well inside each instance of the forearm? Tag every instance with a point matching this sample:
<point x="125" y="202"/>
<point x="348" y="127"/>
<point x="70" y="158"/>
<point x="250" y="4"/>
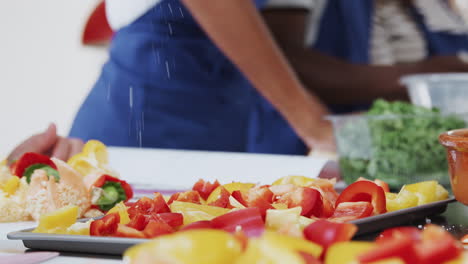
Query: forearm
<point x="339" y="82"/>
<point x="238" y="30"/>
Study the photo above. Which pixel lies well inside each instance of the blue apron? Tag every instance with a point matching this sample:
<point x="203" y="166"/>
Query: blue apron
<point x="345" y="32"/>
<point x="166" y="85"/>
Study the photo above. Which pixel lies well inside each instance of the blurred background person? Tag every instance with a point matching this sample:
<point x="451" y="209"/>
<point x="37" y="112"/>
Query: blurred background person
<point x="352" y="52"/>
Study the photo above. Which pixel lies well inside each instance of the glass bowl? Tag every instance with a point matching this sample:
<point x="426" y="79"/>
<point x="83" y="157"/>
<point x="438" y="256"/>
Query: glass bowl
<point x="398" y="149"/>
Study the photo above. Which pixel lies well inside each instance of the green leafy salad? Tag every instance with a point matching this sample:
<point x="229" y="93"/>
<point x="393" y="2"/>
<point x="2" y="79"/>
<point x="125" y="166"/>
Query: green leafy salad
<point x="396" y="142"/>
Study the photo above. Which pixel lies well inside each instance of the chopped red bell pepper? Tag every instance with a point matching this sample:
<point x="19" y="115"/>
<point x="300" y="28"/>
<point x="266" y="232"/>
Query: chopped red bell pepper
<point x="138" y="221"/>
<point x="105" y="226"/>
<point x="223" y="199"/>
<point x="156" y="228"/>
<point x="259" y="197"/>
<point x="205" y="224"/>
<point x="437" y="246"/>
<point x="28" y="159"/>
<point x="146" y="206"/>
<point x="205" y="188"/>
<point x="396" y="232"/>
<point x="350" y="211"/>
<point x="309" y="199"/>
<point x="239" y="197"/>
<point x="326" y="233"/>
<point x="401" y="247"/>
<point x="432" y="245"/>
<point x="189" y="197"/>
<point x="380" y="183"/>
<point x="172" y="219"/>
<point x="248" y="220"/>
<point x="365" y="191"/>
<point x="126" y="231"/>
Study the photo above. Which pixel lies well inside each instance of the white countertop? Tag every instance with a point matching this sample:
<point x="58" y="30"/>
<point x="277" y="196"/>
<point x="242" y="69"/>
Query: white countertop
<point x="179" y="170"/>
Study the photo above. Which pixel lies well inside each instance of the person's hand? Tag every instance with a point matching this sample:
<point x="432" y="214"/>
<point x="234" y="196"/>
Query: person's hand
<point x="48" y="143"/>
<point x="322" y="141"/>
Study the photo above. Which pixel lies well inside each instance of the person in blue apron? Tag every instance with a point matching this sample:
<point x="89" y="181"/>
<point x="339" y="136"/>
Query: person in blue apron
<point x="167" y="85"/>
<point x="357" y="50"/>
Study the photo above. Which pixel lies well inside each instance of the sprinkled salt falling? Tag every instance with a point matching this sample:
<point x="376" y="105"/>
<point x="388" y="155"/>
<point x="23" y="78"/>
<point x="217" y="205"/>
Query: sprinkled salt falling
<point x="170" y="28"/>
<point x="140" y="140"/>
<point x="131" y="97"/>
<point x="108" y="92"/>
<point x="170" y="8"/>
<point x="181" y="13"/>
<point x="167" y="69"/>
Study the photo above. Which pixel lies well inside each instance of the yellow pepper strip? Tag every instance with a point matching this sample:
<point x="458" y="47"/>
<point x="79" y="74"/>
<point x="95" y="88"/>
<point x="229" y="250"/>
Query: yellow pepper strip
<point x="122" y="210"/>
<point x="202" y="246"/>
<point x="57" y="221"/>
<point x="196" y="212"/>
<point x="11" y="185"/>
<point x="404" y="199"/>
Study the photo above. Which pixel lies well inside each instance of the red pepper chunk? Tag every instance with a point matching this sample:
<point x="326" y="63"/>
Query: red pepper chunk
<point x="223" y="199"/>
<point x="138" y="221"/>
<point x="350" y="211"/>
<point x="365" y="191"/>
<point x="396" y="232"/>
<point x="146" y="206"/>
<point x="107" y="178"/>
<point x="105" y="226"/>
<point x="157" y="228"/>
<point x="189" y="197"/>
<point x="437" y="246"/>
<point x="401" y="248"/>
<point x="380" y="183"/>
<point x="28" y="159"/>
<point x="205" y="188"/>
<point x="326" y="233"/>
<point x="205" y="224"/>
<point x="310" y="200"/>
<point x="172" y="219"/>
<point x="248" y="220"/>
<point x="258" y="197"/>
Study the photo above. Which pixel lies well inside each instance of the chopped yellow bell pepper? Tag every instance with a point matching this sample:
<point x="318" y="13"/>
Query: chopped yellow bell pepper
<point x="123" y="213"/>
<point x="425" y="191"/>
<point x="79" y="229"/>
<point x="404" y="199"/>
<point x="11" y="185"/>
<point x="94" y="157"/>
<point x="202" y="246"/>
<point x="57" y="221"/>
<point x="196" y="212"/>
<point x="273" y="248"/>
<point x="276" y="219"/>
<point x="441" y="193"/>
<point x="346" y="252"/>
<point x="301" y="181"/>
